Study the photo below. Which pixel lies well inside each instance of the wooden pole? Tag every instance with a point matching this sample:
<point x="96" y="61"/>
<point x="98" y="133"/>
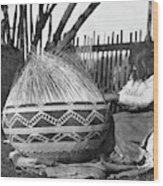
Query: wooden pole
<point x="26" y="27"/>
<point x="14" y="24"/>
<point x="21" y="27"/>
<point x="50" y="30"/>
<point x="20" y="35"/>
<point x="31" y="24"/>
<point x="149" y="22"/>
<point x="41" y="13"/>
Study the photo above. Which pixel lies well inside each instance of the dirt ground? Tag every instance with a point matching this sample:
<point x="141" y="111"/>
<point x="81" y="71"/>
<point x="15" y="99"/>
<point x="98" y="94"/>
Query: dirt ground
<point x="7" y="168"/>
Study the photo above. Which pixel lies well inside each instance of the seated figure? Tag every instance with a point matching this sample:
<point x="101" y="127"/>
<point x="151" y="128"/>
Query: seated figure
<point x="134" y="127"/>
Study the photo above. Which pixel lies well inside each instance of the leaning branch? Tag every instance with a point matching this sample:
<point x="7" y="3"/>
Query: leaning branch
<point x="72" y="33"/>
<point x="66" y="16"/>
<point x="41" y="24"/>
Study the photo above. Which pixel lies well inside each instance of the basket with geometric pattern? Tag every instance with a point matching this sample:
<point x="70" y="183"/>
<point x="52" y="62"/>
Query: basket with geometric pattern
<point x="55" y="112"/>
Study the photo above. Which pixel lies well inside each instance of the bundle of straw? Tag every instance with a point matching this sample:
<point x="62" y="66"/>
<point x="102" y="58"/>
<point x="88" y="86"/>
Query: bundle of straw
<point x="53" y="78"/>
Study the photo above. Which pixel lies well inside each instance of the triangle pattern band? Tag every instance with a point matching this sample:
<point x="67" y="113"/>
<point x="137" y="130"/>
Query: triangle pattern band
<point x="52" y="120"/>
<point x="68" y="136"/>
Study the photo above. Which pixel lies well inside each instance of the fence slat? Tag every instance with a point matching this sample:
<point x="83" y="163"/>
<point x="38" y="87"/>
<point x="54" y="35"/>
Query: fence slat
<point x="121" y="65"/>
<point x="84" y="54"/>
<point x="117" y="39"/>
<point x="136" y="36"/>
<point x="108" y="40"/>
<point x="140" y="35"/>
<point x="77" y="41"/>
<point x="112" y="39"/>
<point x="103" y="71"/>
<point x="108" y="73"/>
<point x="111" y="72"/>
<point x="131" y="37"/>
<point x="121" y="36"/>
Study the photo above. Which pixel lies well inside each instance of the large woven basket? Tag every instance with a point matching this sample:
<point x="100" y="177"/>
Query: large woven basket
<point x="54" y="126"/>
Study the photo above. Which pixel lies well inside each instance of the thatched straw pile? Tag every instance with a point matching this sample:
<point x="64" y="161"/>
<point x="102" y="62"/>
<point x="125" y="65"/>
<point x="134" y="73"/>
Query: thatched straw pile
<point x="50" y="78"/>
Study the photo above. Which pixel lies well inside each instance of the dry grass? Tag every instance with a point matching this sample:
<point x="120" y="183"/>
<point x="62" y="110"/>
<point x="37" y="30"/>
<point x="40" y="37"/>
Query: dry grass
<point x="50" y="78"/>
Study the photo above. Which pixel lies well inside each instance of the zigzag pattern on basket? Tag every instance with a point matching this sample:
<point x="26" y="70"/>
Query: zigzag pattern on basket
<point x="52" y="120"/>
<point x="73" y="137"/>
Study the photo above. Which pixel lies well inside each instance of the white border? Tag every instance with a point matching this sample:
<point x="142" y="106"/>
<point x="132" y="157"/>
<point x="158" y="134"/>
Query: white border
<point x="52" y="182"/>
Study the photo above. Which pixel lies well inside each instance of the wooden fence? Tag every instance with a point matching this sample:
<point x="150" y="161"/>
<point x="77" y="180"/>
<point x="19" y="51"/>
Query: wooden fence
<point x="108" y="63"/>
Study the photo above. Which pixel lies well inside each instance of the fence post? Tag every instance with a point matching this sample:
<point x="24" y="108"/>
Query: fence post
<point x="77" y="41"/>
<point x="84" y="51"/>
<point x="136" y="36"/>
<point x="140" y="35"/>
<point x="121" y="36"/>
<point x="112" y="38"/>
<point x="131" y="39"/>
